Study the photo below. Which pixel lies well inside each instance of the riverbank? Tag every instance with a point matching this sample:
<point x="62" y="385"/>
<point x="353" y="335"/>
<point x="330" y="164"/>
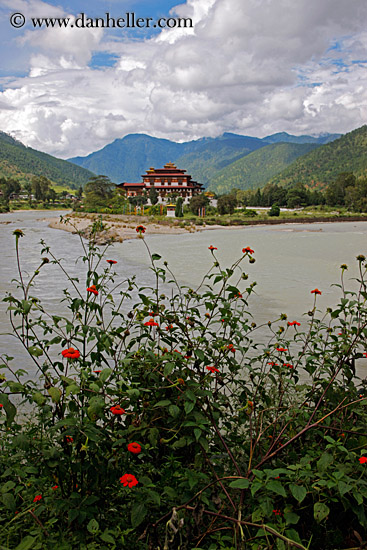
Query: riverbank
<point x="120" y="227"/>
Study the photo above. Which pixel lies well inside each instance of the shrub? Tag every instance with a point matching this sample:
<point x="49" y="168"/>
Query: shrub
<point x="165" y="424"/>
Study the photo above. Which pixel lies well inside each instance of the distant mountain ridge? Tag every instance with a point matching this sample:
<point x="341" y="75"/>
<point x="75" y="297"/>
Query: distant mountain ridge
<point x="128" y="158"/>
<point x="22" y="163"/>
<point x="255" y="170"/>
<point x="321" y="166"/>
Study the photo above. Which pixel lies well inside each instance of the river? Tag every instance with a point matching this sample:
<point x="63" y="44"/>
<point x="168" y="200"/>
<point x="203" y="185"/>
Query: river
<point x="291" y="260"/>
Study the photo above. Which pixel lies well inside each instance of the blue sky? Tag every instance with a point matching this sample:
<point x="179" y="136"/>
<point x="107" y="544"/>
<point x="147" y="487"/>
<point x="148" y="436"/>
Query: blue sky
<point x="252" y="67"/>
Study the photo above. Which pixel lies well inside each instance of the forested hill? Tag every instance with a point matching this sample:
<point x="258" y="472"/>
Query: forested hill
<point x="322" y="166"/>
<point x="128" y="158"/>
<point x="254" y="170"/>
<point x="22" y="163"/>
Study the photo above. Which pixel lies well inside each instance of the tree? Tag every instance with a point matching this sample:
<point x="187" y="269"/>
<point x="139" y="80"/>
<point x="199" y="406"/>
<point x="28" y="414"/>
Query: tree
<point x="226" y="204"/>
<point x="138" y="200"/>
<point x="335" y="193"/>
<point x="274" y="210"/>
<point x="179" y="208"/>
<point x="297" y="196"/>
<point x="197" y="202"/>
<point x="153" y="196"/>
<point x="98" y="191"/>
<point x="40" y="187"/>
<point x="79" y="193"/>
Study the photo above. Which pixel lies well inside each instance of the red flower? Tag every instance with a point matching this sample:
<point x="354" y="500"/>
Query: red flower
<point x="365" y="353"/>
<point x="151" y="323"/>
<point x="134" y="448"/>
<point x="117" y="409"/>
<point x="37" y="498"/>
<point x="55" y="487"/>
<point x="93" y="289"/>
<point x="363" y="460"/>
<point x="70" y="353"/>
<point x="231" y="348"/>
<point x="272" y="364"/>
<point x="316" y="291"/>
<point x="140" y="229"/>
<point x="111" y="262"/>
<point x="1" y="405"/>
<point x="212" y="369"/>
<point x="69" y="439"/>
<point x="277" y="512"/>
<point x="239" y="295"/>
<point x="248" y="249"/>
<point x="294" y="323"/>
<point x="211" y="247"/>
<point x="282" y="349"/>
<point x="169" y="327"/>
<point x="128" y="479"/>
<point x="97" y="371"/>
<point x="288" y="365"/>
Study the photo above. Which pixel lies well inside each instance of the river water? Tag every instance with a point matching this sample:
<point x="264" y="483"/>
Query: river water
<point x="291" y="260"/>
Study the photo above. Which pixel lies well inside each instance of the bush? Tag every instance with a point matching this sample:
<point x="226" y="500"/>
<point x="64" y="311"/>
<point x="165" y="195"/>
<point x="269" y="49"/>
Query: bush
<point x="166" y="424"/>
<point x="274" y="210"/>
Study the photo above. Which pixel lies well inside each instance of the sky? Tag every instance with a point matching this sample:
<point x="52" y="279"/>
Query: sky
<point x="252" y="67"/>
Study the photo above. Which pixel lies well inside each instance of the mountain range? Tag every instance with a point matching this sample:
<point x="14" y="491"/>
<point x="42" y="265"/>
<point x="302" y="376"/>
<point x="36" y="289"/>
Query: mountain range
<point x="220" y="163"/>
<point x="128" y="158"/>
<point x="22" y="163"/>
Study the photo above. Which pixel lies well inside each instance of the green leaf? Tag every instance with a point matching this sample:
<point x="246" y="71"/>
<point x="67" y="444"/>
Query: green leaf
<point x="344" y="488"/>
<point x="27" y="543"/>
<point x="320" y="511"/>
<point x="105" y="374"/>
<point x="174" y="410"/>
<point x="298" y="491"/>
<point x="138" y="514"/>
<point x="55" y="394"/>
<point x="35" y="351"/>
<point x="291" y="518"/>
<point x="106" y="537"/>
<point x="156" y="257"/>
<point x="324" y="462"/>
<point x="39" y="398"/>
<point x="9" y="501"/>
<point x="163" y="403"/>
<point x="168" y="368"/>
<point x="93" y="526"/>
<point x="9" y="408"/>
<point x="276" y="487"/>
<point x="8" y="486"/>
<point x="256" y="485"/>
<point x="189" y="405"/>
<point x="240" y="484"/>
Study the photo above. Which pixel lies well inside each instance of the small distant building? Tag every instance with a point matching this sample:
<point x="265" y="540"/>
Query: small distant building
<point x="171" y="208"/>
<point x="165" y="181"/>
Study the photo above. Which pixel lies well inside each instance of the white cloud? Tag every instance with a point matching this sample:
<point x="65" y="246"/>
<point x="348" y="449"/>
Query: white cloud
<point x="248" y="66"/>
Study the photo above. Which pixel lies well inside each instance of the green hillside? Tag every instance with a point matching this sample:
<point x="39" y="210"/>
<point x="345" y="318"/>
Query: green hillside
<point x="128" y="158"/>
<point x="210" y="157"/>
<point x="22" y="163"/>
<point x="321" y="166"/>
<point x="255" y="169"/>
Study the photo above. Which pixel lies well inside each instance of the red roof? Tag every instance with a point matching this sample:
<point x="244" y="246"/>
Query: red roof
<point x="125" y="184"/>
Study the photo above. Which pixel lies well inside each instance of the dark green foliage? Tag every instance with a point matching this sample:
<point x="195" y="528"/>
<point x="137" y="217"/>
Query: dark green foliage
<point x="274" y="210"/>
<point x="255" y="169"/>
<point x="98" y="191"/>
<point x="179" y="208"/>
<point x="322" y="166"/>
<point x="197" y="202"/>
<point x="244" y="438"/>
<point x="226" y="204"/>
<point x="153" y="196"/>
<point x="22" y="163"/>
